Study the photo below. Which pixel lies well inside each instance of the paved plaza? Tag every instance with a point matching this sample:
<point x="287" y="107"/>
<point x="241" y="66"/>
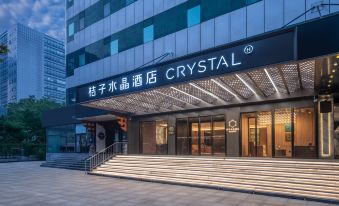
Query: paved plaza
<point x="27" y="183"/>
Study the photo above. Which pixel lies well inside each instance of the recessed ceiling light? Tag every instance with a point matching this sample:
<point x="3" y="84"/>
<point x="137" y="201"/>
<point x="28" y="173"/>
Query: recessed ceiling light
<point x="335" y="64"/>
<point x="331" y="76"/>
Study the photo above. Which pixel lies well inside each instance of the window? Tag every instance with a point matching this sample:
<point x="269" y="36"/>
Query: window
<point x="193" y="16"/>
<point x="81" y="60"/>
<point x="107" y="9"/>
<point x="82" y="23"/>
<point x="114" y="47"/>
<point x="71" y="29"/>
<point x="148" y="33"/>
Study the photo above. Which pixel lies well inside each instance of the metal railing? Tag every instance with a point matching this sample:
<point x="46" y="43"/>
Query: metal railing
<point x="104" y="155"/>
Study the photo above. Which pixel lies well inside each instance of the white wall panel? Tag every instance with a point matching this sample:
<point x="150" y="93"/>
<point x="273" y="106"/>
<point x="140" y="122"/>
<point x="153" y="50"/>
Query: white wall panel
<point x="181" y="43"/>
<point x="292" y="9"/>
<point x="107" y="67"/>
<point x="148" y="52"/>
<point x="139" y="56"/>
<point x="121" y="18"/>
<point x="314" y="13"/>
<point x="169" y="4"/>
<point x="81" y="4"/>
<point x="87" y="3"/>
<point x="130" y="15"/>
<point x="159" y="48"/>
<point x="122" y="62"/>
<point x="130" y="59"/>
<point x="114" y="64"/>
<point x="238" y="24"/>
<point x="222" y="29"/>
<point x="207" y="34"/>
<point x="94" y="33"/>
<point x="334" y="8"/>
<point x="193" y="39"/>
<point x="180" y="1"/>
<point x="76" y="7"/>
<point x="256" y="18"/>
<point x="100" y="29"/>
<point x="107" y="26"/>
<point x="139" y="11"/>
<point x="100" y="68"/>
<point x="114" y="23"/>
<point x="274" y="14"/>
<point x="158" y="6"/>
<point x="148" y="9"/>
<point x="169" y="44"/>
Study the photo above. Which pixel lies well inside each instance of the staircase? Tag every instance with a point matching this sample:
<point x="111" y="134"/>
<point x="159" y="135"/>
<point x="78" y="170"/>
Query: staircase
<point x="313" y="179"/>
<point x="66" y="162"/>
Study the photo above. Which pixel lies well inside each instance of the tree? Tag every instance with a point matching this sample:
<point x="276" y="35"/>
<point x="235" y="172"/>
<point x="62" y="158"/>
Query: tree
<point x="23" y="126"/>
<point x="3" y="50"/>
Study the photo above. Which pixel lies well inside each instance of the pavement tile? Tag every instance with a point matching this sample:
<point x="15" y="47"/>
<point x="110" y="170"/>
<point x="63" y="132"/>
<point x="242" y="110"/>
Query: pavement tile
<point x="26" y="183"/>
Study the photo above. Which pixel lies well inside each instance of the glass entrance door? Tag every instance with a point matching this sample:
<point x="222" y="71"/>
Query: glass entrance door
<point x="256" y="134"/>
<point x="205" y="135"/>
<point x="201" y="136"/>
<point x="194" y="135"/>
<point x="283" y="132"/>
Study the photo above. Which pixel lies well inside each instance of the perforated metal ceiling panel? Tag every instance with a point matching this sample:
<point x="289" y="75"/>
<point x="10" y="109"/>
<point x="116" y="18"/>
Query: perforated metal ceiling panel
<point x="216" y="91"/>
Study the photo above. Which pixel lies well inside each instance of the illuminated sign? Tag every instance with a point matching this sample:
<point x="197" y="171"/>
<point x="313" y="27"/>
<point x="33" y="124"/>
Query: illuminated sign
<point x="220" y="61"/>
<point x="232" y="126"/>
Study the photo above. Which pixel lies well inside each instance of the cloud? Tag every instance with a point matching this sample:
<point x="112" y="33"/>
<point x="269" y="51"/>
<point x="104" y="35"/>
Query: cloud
<point x="47" y="16"/>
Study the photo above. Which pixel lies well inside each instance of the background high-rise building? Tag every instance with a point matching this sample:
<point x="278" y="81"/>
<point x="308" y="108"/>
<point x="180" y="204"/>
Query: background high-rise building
<point x="35" y="66"/>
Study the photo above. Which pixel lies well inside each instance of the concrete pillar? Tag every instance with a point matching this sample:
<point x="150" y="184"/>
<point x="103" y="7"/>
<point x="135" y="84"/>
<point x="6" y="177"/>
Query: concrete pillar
<point x="325" y="128"/>
<point x="233" y="131"/>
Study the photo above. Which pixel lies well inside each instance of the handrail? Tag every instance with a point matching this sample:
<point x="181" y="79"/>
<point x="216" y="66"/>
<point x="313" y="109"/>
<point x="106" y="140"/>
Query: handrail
<point x="104" y="155"/>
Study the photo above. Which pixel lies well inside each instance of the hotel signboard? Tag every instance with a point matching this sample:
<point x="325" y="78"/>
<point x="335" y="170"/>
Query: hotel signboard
<point x="256" y="53"/>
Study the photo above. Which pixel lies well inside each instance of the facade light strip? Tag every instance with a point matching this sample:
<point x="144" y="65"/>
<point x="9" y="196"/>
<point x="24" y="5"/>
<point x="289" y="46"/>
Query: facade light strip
<point x="246" y="84"/>
<point x="194" y="97"/>
<point x="269" y="76"/>
<point x="222" y="86"/>
<point x="203" y="90"/>
<point x="171" y="97"/>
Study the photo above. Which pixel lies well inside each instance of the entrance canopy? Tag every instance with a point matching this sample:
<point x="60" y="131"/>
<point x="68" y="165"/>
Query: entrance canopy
<point x="263" y="84"/>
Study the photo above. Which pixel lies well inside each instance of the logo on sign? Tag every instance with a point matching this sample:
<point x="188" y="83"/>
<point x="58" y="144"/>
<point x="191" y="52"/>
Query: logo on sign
<point x="232" y="126"/>
<point x="248" y="49"/>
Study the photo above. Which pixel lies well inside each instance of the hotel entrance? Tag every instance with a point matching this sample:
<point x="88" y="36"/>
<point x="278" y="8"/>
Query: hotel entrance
<point x="201" y="136"/>
<point x="256" y="134"/>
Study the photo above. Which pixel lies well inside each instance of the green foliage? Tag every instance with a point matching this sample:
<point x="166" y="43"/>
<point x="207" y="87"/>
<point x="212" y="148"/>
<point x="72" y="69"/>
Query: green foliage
<point x="22" y="125"/>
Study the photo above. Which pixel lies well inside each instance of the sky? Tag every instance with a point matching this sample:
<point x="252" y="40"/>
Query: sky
<point x="47" y="16"/>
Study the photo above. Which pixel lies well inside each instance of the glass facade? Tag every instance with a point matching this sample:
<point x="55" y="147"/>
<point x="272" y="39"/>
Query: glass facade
<point x="167" y="22"/>
<point x="114" y="47"/>
<point x="193" y="16"/>
<point x="71" y="29"/>
<point x="68" y="139"/>
<point x="148" y="33"/>
<point x="291" y="134"/>
<point x="201" y="136"/>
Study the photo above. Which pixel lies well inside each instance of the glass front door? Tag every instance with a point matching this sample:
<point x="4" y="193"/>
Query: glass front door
<point x="205" y="136"/>
<point x="194" y="135"/>
<point x="201" y="136"/>
<point x="283" y="132"/>
<point x="256" y="134"/>
<point x="154" y="137"/>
